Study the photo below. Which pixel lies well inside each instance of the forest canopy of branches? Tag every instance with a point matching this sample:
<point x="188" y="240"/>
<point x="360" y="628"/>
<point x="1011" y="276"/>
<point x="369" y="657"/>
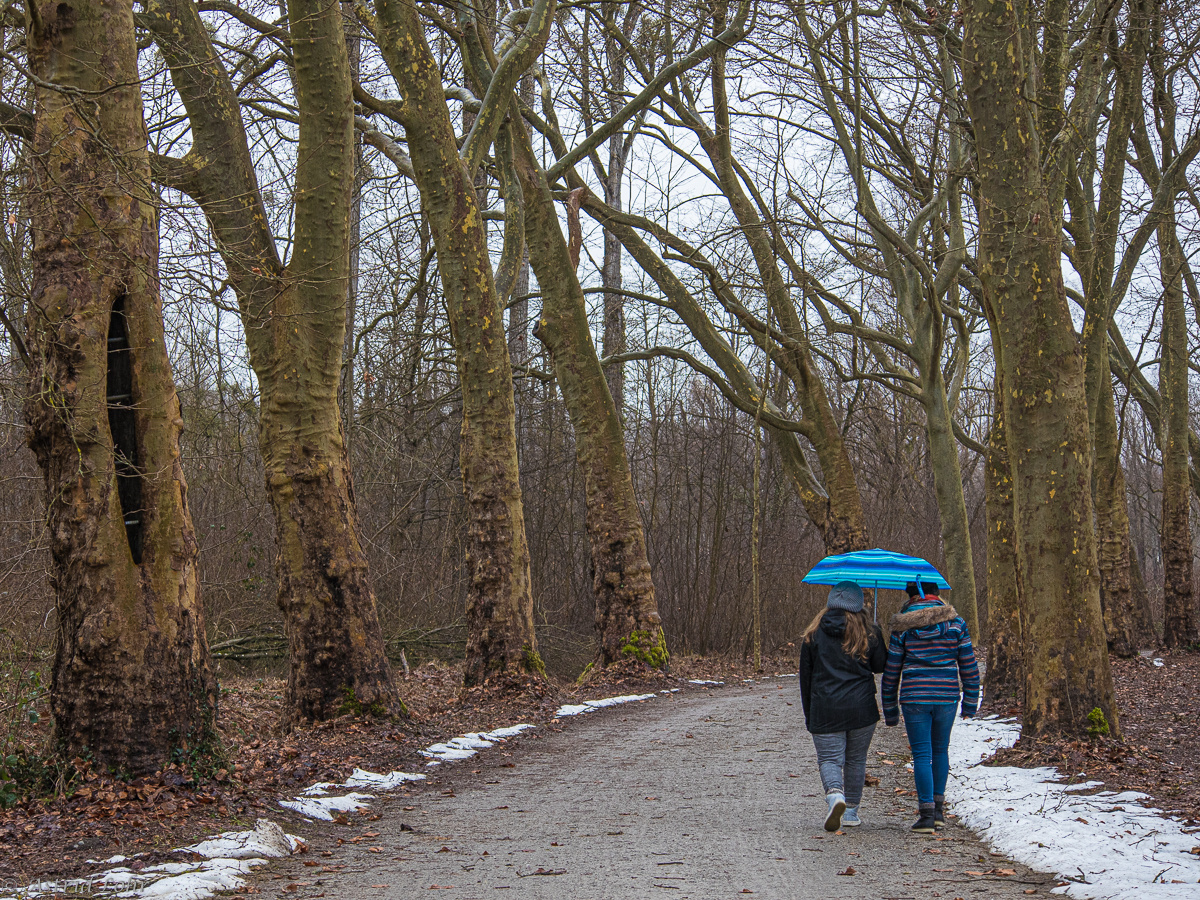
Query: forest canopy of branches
<point x="576" y="333"/>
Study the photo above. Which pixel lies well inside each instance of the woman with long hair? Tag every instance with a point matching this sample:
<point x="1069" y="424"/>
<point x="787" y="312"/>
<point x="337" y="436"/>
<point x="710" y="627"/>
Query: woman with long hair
<point x="930" y="665"/>
<point x="840" y="652"/>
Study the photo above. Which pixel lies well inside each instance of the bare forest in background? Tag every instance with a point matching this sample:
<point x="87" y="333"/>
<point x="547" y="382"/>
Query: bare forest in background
<point x="792" y="263"/>
<point x="691" y="453"/>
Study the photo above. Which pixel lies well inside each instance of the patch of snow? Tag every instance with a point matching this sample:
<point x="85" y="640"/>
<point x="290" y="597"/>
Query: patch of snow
<point x="388" y="782"/>
<point x="449" y="751"/>
<point x="588" y="706"/>
<point x="467" y="745"/>
<point x="501" y="734"/>
<point x="229" y="857"/>
<point x="670" y="691"/>
<point x="1106" y="845"/>
<point x="203" y="881"/>
<point x="359" y="778"/>
<point x="267" y="839"/>
<point x="323" y="808"/>
<point x="362" y="778"/>
<point x="703" y="681"/>
<point x="1159" y="663"/>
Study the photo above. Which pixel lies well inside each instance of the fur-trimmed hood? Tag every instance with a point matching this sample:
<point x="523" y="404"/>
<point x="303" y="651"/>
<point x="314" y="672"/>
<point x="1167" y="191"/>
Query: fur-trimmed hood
<point x="923" y="617"/>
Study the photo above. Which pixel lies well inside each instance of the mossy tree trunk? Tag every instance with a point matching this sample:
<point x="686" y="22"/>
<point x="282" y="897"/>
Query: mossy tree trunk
<point x="1004" y="679"/>
<point x="500" y="637"/>
<point x="294" y="319"/>
<point x="131" y="682"/>
<point x="627" y="617"/>
<point x="1045" y="403"/>
<point x="335" y="642"/>
<point x="1180" y="627"/>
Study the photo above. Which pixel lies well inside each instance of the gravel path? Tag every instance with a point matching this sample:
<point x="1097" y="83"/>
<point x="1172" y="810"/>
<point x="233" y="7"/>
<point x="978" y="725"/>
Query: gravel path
<point x="702" y="795"/>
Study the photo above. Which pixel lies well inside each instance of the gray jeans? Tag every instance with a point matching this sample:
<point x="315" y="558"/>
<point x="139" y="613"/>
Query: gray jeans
<point x="842" y="756"/>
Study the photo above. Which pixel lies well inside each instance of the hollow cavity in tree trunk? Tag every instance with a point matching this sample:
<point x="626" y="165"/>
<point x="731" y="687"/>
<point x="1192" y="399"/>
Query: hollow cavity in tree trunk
<point x="122" y="423"/>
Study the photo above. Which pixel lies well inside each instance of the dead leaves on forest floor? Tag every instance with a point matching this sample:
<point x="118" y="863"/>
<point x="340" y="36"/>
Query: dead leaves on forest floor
<point x="1159" y="755"/>
<point x="95" y="816"/>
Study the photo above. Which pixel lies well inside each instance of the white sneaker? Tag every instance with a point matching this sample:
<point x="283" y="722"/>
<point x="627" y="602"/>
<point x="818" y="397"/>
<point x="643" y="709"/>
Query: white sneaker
<point x="837" y="806"/>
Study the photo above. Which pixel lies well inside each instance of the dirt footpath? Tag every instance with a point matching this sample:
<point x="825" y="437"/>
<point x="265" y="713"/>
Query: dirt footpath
<point x="705" y="795"/>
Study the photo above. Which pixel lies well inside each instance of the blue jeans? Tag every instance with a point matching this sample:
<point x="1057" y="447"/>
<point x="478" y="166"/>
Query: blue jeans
<point x="928" y="726"/>
<point x="842" y="756"/>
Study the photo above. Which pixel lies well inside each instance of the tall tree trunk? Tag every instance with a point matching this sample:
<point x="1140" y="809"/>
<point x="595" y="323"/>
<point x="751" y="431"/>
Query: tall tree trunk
<point x="294" y="319"/>
<point x="611" y="279"/>
<point x="132" y="681"/>
<point x="625" y="18"/>
<point x="1180" y="628"/>
<point x="346" y="386"/>
<point x="1096" y="228"/>
<point x="336" y="646"/>
<point x="1045" y="403"/>
<point x="627" y="615"/>
<point x="500" y="636"/>
<point x="1117" y="599"/>
<point x="1004" y="679"/>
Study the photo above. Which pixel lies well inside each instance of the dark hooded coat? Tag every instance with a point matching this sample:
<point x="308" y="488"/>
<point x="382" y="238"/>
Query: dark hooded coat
<point x="838" y="690"/>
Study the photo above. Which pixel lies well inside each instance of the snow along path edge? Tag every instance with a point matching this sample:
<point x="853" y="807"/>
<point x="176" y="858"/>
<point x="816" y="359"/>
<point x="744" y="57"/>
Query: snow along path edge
<point x="232" y="854"/>
<point x="1103" y="846"/>
<point x="228" y="856"/>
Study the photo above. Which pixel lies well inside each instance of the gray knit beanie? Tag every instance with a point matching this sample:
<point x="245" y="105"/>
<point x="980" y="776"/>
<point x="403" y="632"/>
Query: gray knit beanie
<point x="846" y="595"/>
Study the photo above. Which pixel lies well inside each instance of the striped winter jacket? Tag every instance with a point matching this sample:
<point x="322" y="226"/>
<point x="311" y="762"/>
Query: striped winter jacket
<point x="929" y="654"/>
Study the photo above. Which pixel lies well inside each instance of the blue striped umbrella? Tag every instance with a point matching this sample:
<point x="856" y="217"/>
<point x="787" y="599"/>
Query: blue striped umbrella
<point x="875" y="568"/>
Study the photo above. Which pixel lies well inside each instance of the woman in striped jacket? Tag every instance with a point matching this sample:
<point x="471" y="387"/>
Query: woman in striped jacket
<point x="929" y="657"/>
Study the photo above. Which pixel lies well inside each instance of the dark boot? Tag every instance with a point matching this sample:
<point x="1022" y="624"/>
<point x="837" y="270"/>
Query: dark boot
<point x="925" y="824"/>
<point x="939" y="811"/>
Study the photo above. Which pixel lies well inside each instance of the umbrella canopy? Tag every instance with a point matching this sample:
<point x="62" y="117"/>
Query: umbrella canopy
<point x="875" y="569"/>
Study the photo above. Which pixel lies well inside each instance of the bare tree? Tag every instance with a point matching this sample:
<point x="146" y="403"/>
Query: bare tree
<point x="132" y="681"/>
<point x="294" y="319"/>
<point x="1045" y="403"/>
<point x="500" y="638"/>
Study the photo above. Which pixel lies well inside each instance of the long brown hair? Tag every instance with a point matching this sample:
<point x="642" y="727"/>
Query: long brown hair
<point x="857" y="640"/>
